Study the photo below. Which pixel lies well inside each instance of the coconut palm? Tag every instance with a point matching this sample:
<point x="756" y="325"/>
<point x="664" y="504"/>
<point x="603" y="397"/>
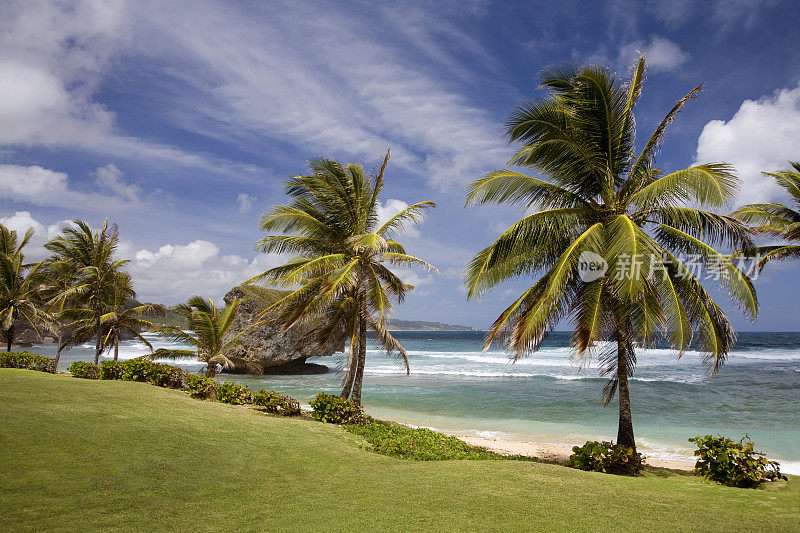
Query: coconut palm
<point x="208" y="328"/>
<point x="120" y="318"/>
<point x="21" y="301"/>
<point x="58" y="278"/>
<point x="597" y="194"/>
<point x="97" y="275"/>
<point x="340" y="277"/>
<point x="776" y="220"/>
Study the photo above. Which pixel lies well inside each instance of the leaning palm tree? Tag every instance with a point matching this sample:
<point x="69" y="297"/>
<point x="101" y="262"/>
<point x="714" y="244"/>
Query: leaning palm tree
<point x="208" y="328"/>
<point x="58" y="279"/>
<point x="340" y="278"/>
<point x="598" y="195"/>
<point x="776" y="220"/>
<point x="97" y="275"/>
<point x="21" y="301"/>
<point x="119" y="319"/>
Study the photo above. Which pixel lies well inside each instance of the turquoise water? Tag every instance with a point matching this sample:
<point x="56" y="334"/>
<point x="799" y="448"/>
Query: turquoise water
<point x="454" y="386"/>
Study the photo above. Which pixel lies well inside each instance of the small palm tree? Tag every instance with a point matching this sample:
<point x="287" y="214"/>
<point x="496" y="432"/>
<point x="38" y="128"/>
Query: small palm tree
<point x="777" y="220"/>
<point x="21" y="300"/>
<point x="58" y="279"/>
<point x="208" y="327"/>
<point x="599" y="195"/>
<point x="97" y="275"/>
<point x="118" y="320"/>
<point x="340" y="276"/>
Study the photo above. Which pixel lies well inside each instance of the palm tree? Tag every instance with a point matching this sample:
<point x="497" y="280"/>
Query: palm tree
<point x="58" y="279"/>
<point x="208" y="327"/>
<point x="97" y="275"/>
<point x="20" y="287"/>
<point x="339" y="278"/>
<point x="776" y="220"/>
<point x="598" y="195"/>
<point x="120" y="318"/>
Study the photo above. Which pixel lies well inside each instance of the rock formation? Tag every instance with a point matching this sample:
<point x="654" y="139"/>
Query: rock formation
<point x="276" y="350"/>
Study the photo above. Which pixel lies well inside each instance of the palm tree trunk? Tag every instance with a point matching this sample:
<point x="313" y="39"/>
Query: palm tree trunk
<point x="116" y="349"/>
<point x="99" y="340"/>
<point x="355" y="397"/>
<point x="625" y="430"/>
<point x="58" y="350"/>
<point x="352" y="365"/>
<point x="9" y="338"/>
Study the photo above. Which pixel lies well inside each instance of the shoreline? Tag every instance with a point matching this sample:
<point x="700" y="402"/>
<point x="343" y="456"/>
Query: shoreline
<point x="557" y="452"/>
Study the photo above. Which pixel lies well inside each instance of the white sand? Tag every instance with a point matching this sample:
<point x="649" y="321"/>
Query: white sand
<point x="557" y="452"/>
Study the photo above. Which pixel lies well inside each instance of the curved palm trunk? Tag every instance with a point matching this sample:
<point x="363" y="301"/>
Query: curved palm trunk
<point x="351" y="366"/>
<point x="98" y="346"/>
<point x="60" y="347"/>
<point x="355" y="397"/>
<point x="9" y="338"/>
<point x="625" y="431"/>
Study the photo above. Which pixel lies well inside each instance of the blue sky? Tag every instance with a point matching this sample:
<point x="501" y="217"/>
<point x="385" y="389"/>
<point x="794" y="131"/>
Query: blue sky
<point x="180" y="121"/>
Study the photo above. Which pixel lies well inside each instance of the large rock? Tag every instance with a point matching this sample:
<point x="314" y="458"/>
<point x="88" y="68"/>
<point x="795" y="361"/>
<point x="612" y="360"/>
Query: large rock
<point x="270" y="346"/>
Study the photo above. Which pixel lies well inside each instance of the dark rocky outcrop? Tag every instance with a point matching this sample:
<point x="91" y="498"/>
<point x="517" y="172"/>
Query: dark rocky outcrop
<point x="275" y="350"/>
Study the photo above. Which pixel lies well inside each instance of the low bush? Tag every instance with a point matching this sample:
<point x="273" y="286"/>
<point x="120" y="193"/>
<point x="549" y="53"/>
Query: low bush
<point x="396" y="440"/>
<point x="336" y="410"/>
<point x="27" y="360"/>
<point x="112" y="369"/>
<point x="273" y="402"/>
<point x="735" y="464"/>
<point x="167" y="376"/>
<point x="82" y="369"/>
<point x="136" y="369"/>
<point x="606" y="457"/>
<point x="201" y="387"/>
<point x="230" y="392"/>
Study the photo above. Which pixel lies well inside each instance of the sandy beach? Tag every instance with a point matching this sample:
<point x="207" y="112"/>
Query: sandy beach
<point x="556" y="452"/>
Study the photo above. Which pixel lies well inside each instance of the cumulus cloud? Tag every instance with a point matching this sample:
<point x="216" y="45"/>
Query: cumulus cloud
<point x="245" y="202"/>
<point x="763" y="135"/>
<point x="662" y="54"/>
<point x="22" y="221"/>
<point x="33" y="184"/>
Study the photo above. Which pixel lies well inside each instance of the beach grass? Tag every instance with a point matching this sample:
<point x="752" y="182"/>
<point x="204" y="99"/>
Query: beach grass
<point x="83" y="455"/>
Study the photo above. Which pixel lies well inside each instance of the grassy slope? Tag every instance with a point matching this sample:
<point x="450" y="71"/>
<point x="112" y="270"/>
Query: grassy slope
<point x="124" y="455"/>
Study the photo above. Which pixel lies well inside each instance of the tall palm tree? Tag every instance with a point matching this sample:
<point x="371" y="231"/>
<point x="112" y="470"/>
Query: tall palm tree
<point x="777" y="220"/>
<point x="97" y="275"/>
<point x="58" y="279"/>
<point x="339" y="278"/>
<point x="598" y="195"/>
<point x="120" y="318"/>
<point x="208" y="327"/>
<point x="21" y="301"/>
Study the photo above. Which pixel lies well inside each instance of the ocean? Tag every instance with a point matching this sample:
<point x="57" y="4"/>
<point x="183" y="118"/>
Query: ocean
<point x="456" y="387"/>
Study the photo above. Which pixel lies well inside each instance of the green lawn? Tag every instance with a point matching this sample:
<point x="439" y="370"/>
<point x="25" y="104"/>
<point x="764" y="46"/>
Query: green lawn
<point x="79" y="454"/>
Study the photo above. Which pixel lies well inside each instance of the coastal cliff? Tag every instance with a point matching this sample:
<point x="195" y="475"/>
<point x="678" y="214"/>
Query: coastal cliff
<point x="271" y="347"/>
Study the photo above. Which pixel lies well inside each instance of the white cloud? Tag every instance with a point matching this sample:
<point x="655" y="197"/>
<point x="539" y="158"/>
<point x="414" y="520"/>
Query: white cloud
<point x="21" y="221"/>
<point x="110" y="177"/>
<point x="245" y="202"/>
<point x="763" y="135"/>
<point x="33" y="184"/>
<point x="662" y="54"/>
<point x="390" y="209"/>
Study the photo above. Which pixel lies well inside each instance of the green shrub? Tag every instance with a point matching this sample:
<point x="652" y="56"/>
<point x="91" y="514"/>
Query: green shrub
<point x="735" y="464"/>
<point x="606" y="457"/>
<point x="336" y="410"/>
<point x="82" y="369"/>
<point x="201" y="387"/>
<point x="396" y="440"/>
<point x="136" y="369"/>
<point x="27" y="360"/>
<point x="112" y="369"/>
<point x="230" y="392"/>
<point x="272" y="402"/>
<point x="167" y="376"/>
